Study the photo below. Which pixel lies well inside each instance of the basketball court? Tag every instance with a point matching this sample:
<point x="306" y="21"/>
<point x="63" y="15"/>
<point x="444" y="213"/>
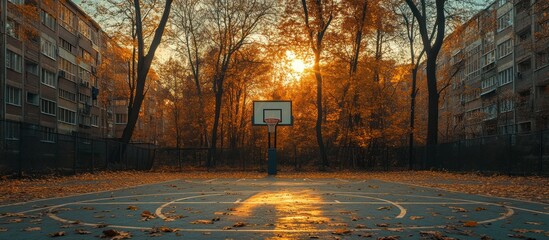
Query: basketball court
<point x="276" y="208"/>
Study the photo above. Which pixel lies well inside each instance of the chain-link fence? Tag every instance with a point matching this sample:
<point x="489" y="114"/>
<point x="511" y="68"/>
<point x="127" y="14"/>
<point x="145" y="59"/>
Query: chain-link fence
<point x="521" y="154"/>
<point x="29" y="149"/>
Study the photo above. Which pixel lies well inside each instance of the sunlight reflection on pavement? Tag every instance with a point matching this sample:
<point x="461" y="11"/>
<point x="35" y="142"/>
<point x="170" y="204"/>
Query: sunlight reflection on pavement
<point x="294" y="210"/>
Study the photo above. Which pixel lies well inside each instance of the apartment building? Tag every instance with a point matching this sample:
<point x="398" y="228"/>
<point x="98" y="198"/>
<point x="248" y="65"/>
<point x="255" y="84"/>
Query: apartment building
<point x="496" y="69"/>
<point x="50" y="78"/>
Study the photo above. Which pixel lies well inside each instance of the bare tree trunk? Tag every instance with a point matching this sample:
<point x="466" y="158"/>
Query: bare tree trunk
<point x="144" y="61"/>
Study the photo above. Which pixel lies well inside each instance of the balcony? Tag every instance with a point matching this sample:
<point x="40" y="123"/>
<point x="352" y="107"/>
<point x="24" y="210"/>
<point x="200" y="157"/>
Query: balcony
<point x="523" y="21"/>
<point x="489" y="89"/>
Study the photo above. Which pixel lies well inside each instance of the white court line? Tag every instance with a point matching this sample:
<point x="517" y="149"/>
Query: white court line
<point x="159" y="213"/>
<point x="483" y="195"/>
<point x="402" y="209"/>
<point x="84" y="194"/>
<point x="209" y="181"/>
<point x="239" y="201"/>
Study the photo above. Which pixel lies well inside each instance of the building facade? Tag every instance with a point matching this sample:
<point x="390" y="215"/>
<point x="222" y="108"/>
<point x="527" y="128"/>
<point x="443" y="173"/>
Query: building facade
<point x="496" y="71"/>
<point x="50" y="78"/>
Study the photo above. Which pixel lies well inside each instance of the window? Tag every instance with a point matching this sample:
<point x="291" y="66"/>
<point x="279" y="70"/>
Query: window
<point x="66" y="18"/>
<point x="84" y="76"/>
<point x="32" y="67"/>
<point x="48" y="48"/>
<point x="32" y="98"/>
<point x="490" y="112"/>
<point x="542" y="58"/>
<point x="505" y="48"/>
<point x="86" y="56"/>
<point x="505" y="76"/>
<point x="67" y="95"/>
<point x="47" y="107"/>
<point x="12" y="28"/>
<point x="84" y="98"/>
<point x="12" y="130"/>
<point x="48" y="20"/>
<point x="489" y="58"/>
<point x="506" y="105"/>
<point x="48" y="134"/>
<point x="13" y="61"/>
<point x="66" y="45"/>
<point x="121" y="118"/>
<point x="505" y="21"/>
<point x="67" y="116"/>
<point x="84" y="29"/>
<point x="68" y="67"/>
<point x="94" y="120"/>
<point x="489" y="83"/>
<point x="13" y="96"/>
<point x="48" y="78"/>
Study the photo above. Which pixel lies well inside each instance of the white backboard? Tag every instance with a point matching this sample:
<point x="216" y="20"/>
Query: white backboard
<point x="281" y="109"/>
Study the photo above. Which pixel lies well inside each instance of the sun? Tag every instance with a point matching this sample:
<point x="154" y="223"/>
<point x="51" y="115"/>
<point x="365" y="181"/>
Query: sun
<point x="298" y="65"/>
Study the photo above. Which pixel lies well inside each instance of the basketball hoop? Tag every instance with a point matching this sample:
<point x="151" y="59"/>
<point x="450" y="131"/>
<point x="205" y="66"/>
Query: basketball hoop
<point x="271" y="123"/>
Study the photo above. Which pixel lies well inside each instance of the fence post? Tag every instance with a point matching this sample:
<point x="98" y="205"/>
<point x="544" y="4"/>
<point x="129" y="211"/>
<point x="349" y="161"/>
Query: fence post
<point x="540" y="166"/>
<point x="75" y="155"/>
<point x="92" y="156"/>
<point x="510" y="158"/>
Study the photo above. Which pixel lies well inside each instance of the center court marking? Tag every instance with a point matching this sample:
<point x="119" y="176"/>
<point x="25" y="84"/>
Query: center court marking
<point x="159" y="213"/>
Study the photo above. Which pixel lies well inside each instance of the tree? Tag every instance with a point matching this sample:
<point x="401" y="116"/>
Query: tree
<point x="432" y="42"/>
<point x="317" y="17"/>
<point x="415" y="60"/>
<point x="230" y="25"/>
<point x="189" y="17"/>
<point x="144" y="61"/>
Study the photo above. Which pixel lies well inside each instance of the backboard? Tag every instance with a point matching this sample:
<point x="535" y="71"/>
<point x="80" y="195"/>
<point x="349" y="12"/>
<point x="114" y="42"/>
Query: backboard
<point x="281" y="109"/>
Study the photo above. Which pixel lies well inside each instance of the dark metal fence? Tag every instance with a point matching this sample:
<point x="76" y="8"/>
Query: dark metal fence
<point x="28" y="149"/>
<point x="520" y="154"/>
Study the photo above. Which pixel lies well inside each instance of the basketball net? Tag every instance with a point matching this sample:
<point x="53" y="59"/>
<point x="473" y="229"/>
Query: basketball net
<point x="271" y="123"/>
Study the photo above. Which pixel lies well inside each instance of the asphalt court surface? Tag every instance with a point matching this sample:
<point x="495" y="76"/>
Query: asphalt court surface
<point x="276" y="208"/>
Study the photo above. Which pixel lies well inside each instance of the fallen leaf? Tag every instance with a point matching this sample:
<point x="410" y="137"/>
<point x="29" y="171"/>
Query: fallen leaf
<point x="216" y="219"/>
<point x="239" y="224"/>
<point x="101" y="225"/>
<point x="534" y="223"/>
<point x="389" y="238"/>
<point x="478" y="209"/>
<point x="32" y="229"/>
<point x="57" y="234"/>
<point x="146" y="215"/>
<point x="384" y="208"/>
<point x="15" y="220"/>
<point x="115" y="235"/>
<point x="82" y="231"/>
<point x="382" y="224"/>
<point x="416" y="217"/>
<point x="470" y="224"/>
<point x="227" y="228"/>
<point x="366" y="235"/>
<point x="341" y="232"/>
<point x="3" y="229"/>
<point x="360" y="226"/>
<point x="458" y="209"/>
<point x="132" y="208"/>
<point x="202" y="222"/>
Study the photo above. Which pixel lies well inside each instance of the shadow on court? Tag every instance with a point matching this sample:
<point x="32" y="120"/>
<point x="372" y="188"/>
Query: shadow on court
<point x="274" y="208"/>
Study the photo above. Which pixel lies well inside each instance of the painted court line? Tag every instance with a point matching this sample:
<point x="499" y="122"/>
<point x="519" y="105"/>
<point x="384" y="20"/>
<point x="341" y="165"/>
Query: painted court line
<point x="84" y="194"/>
<point x="453" y="191"/>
